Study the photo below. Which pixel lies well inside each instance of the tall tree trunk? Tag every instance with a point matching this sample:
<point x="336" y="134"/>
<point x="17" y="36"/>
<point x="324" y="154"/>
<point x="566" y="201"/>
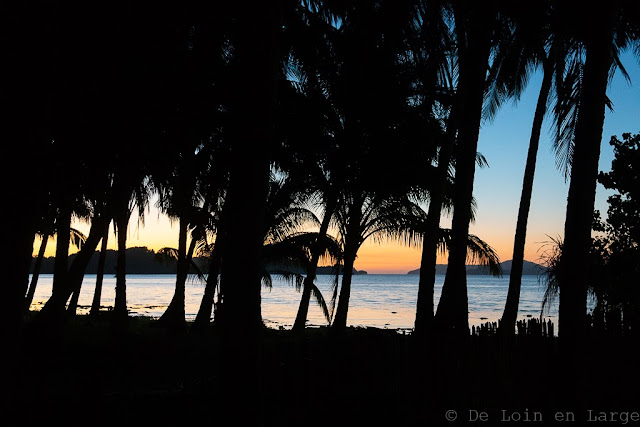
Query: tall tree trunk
<point x="173" y="317"/>
<point x="574" y="265"/>
<point x="203" y="318"/>
<point x="51" y="314"/>
<point x="509" y="317"/>
<point x="63" y="236"/>
<point x="582" y="188"/>
<point x="36" y="273"/>
<point x="426" y="283"/>
<point x="97" y="294"/>
<point x="256" y="64"/>
<point x="120" y="313"/>
<point x="303" y="309"/>
<point x="99" y="227"/>
<point x="452" y="313"/>
<point x="340" y="320"/>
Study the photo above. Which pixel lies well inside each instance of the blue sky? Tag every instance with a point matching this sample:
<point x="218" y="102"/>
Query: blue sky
<point x="504" y="142"/>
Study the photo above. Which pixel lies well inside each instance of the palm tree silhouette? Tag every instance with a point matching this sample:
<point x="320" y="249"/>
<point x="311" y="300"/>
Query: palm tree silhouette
<point x="533" y="43"/>
<point x="436" y="62"/>
<point x="603" y="32"/>
<point x="97" y="293"/>
<point x="361" y="216"/>
<point x="180" y="197"/>
<point x="286" y="246"/>
<point x="77" y="240"/>
<point x="475" y="27"/>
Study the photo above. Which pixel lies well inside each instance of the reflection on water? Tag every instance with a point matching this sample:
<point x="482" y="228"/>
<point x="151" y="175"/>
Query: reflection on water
<point x="378" y="300"/>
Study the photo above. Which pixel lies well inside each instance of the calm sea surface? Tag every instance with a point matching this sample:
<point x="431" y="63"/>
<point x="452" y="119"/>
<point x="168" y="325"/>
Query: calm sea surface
<point x="378" y="300"/>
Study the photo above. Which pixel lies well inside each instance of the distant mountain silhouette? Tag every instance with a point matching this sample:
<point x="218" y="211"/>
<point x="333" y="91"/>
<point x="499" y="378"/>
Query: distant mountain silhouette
<point x="329" y="269"/>
<point x="140" y="260"/>
<point x="529" y="268"/>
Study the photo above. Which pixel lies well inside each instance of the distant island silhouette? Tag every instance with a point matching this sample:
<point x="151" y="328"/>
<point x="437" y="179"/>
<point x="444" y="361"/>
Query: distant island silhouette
<point x="142" y="260"/>
<point x="529" y="268"/>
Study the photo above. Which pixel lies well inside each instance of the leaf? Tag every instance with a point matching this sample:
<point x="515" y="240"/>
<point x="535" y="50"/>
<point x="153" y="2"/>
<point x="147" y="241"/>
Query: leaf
<point x="317" y="295"/>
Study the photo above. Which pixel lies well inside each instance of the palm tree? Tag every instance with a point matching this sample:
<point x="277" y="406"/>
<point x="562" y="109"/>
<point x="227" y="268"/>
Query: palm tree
<point x="180" y="198"/>
<point x="129" y="193"/>
<point x="214" y="202"/>
<point x="475" y="26"/>
<point x="356" y="107"/>
<point x="212" y="285"/>
<point x="284" y="258"/>
<point x="436" y="64"/>
<point x="255" y="64"/>
<point x="174" y="316"/>
<point x="97" y="294"/>
<point x="518" y="55"/>
<point x="36" y="270"/>
<point x="604" y="32"/>
<point x="309" y="288"/>
<point x="287" y="248"/>
<point x="361" y="216"/>
<point x="99" y="226"/>
<point x="77" y="240"/>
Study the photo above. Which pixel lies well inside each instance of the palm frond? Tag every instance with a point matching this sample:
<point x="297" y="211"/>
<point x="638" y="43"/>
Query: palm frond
<point x="335" y="284"/>
<point x="317" y="295"/>
<point x="566" y="109"/>
<point x="267" y="281"/>
<point x="292" y="278"/>
<point x="481" y="161"/>
<point x="167" y="255"/>
<point x="77" y="238"/>
<point x="479" y="252"/>
<point x="550" y="279"/>
<point x="199" y="274"/>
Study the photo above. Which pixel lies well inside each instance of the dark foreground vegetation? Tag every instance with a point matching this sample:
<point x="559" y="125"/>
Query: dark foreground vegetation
<point x="89" y="376"/>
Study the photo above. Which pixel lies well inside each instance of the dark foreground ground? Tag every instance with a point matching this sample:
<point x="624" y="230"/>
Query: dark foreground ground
<point x="87" y="376"/>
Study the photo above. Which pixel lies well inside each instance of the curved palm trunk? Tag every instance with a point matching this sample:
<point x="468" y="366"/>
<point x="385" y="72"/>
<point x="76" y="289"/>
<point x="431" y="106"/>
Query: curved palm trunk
<point x="509" y="317"/>
<point x="340" y="320"/>
<point x="99" y="227"/>
<point x="120" y="313"/>
<point x="203" y="318"/>
<point x="36" y="273"/>
<point x="303" y="309"/>
<point x="97" y="294"/>
<point x="61" y="264"/>
<point x="582" y="188"/>
<point x="174" y="315"/>
<point x="52" y="312"/>
<point x="426" y="283"/>
<point x="452" y="313"/>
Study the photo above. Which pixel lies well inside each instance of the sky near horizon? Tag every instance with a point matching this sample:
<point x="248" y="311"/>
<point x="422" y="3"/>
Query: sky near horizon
<point x="504" y="142"/>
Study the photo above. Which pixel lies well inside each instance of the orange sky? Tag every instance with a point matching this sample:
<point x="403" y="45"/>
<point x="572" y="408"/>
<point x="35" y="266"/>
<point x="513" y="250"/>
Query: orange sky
<point x="390" y="257"/>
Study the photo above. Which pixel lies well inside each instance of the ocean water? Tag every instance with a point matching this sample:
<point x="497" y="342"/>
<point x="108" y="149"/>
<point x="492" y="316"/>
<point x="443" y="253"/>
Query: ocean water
<point x="377" y="300"/>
